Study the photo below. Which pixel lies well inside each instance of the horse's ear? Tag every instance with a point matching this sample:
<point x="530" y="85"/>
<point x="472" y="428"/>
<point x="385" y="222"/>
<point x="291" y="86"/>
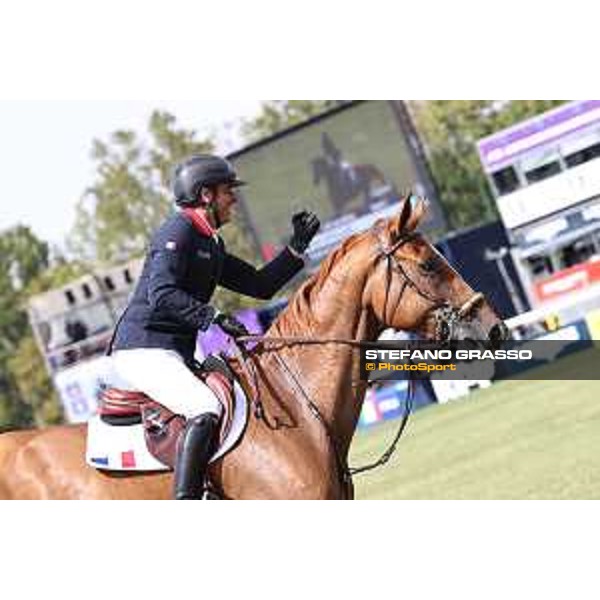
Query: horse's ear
<point x="411" y="214"/>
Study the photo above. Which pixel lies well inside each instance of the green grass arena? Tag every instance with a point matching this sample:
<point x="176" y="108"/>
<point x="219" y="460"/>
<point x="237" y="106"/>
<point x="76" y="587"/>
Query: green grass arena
<point x="515" y="440"/>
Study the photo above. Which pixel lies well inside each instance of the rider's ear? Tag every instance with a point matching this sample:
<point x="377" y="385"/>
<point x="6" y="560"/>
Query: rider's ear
<point x="207" y="194"/>
<point x="412" y="212"/>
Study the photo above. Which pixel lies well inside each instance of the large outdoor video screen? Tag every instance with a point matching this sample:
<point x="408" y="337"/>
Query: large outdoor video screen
<point x="350" y="166"/>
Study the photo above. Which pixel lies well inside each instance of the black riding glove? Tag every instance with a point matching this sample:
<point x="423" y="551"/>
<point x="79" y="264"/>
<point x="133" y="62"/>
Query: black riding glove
<point x="231" y="326"/>
<point x="306" y="224"/>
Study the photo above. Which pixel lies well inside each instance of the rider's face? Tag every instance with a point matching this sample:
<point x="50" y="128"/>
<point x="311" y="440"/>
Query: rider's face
<point x="223" y="197"/>
<point x="226" y="199"/>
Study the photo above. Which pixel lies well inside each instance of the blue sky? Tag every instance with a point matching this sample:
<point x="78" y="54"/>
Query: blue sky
<point x="45" y="147"/>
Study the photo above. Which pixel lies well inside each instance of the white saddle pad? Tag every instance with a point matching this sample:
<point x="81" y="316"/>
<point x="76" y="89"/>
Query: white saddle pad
<point x="123" y="448"/>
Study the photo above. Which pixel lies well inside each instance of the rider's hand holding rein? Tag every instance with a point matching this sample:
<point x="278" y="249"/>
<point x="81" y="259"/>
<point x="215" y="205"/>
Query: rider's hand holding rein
<point x="230" y="325"/>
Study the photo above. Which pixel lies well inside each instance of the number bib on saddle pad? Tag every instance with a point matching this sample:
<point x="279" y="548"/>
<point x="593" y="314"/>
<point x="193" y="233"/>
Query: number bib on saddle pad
<point x="123" y="447"/>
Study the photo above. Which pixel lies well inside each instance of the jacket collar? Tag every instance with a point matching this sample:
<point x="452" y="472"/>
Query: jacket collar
<point x="200" y="223"/>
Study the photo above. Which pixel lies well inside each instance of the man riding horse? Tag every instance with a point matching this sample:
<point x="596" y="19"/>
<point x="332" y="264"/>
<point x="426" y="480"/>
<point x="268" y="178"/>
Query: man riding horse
<point x="155" y="339"/>
<point x="304" y="376"/>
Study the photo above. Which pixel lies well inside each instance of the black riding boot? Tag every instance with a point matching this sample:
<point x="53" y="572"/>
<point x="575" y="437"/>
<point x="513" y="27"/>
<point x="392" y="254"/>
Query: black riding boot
<point x="196" y="446"/>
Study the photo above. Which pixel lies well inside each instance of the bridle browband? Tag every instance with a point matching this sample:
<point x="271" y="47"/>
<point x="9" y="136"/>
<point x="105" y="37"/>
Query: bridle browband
<point x="446" y="317"/>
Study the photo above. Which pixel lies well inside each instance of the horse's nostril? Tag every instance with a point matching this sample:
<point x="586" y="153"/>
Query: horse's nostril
<point x="498" y="333"/>
<point x="444" y="331"/>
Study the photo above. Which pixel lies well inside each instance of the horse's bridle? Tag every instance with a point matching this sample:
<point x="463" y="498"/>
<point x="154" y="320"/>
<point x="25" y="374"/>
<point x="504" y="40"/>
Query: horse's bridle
<point x="447" y="318"/>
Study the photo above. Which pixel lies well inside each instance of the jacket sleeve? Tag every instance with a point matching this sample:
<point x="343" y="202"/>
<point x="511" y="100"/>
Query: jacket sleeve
<point x="262" y="283"/>
<point x="166" y="291"/>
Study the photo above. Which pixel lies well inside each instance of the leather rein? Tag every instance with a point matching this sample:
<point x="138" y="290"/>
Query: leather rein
<point x="446" y="318"/>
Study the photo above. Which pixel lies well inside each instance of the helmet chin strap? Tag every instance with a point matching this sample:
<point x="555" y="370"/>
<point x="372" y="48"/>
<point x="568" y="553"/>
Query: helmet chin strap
<point x="212" y="210"/>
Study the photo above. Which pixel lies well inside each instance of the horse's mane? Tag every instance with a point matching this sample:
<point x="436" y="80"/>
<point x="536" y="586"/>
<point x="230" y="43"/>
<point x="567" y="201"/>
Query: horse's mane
<point x="299" y="311"/>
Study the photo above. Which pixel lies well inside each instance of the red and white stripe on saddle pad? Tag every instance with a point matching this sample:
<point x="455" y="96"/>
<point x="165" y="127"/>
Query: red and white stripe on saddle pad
<point x="123" y="447"/>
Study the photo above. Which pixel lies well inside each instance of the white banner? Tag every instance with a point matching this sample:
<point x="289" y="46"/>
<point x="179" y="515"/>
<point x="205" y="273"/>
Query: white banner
<point x="80" y="386"/>
<point x="551" y="195"/>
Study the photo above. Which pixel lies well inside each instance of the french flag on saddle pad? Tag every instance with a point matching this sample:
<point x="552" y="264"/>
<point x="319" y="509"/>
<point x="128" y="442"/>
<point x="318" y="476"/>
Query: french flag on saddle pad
<point x="126" y="460"/>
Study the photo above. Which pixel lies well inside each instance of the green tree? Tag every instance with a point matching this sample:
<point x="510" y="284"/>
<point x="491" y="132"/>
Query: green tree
<point x="450" y="130"/>
<point x="130" y="197"/>
<point x="34" y="384"/>
<point x="276" y="115"/>
<point x="22" y="258"/>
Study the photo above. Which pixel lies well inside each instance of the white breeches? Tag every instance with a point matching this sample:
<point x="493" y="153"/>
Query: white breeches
<point x="164" y="376"/>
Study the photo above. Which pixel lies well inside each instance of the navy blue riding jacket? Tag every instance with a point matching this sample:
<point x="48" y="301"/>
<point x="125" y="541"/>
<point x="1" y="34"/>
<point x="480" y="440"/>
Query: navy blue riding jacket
<point x="171" y="302"/>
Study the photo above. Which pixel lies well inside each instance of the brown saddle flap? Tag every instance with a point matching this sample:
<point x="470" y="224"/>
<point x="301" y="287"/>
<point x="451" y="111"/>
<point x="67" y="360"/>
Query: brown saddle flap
<point x="162" y="430"/>
<point x="162" y="427"/>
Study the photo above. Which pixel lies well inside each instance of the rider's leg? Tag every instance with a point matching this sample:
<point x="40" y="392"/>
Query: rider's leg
<point x="195" y="448"/>
<point x="163" y="375"/>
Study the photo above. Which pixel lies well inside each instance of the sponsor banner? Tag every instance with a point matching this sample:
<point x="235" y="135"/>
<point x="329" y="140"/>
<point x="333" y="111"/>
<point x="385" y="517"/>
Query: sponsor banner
<point x="554" y="194"/>
<point x="80" y="386"/>
<point x="383" y="404"/>
<point x="503" y="146"/>
<point x="389" y="402"/>
<point x="567" y="281"/>
<point x="463" y="361"/>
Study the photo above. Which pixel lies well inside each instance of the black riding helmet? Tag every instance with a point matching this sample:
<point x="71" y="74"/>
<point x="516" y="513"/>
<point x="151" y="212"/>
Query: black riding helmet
<point x="199" y="171"/>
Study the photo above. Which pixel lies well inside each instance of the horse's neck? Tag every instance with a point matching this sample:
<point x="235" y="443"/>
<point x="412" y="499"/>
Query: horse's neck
<point x="330" y="372"/>
<point x="341" y="407"/>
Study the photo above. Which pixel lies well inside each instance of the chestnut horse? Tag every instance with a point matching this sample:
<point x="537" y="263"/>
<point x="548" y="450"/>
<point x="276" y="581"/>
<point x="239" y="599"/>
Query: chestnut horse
<point x="388" y="276"/>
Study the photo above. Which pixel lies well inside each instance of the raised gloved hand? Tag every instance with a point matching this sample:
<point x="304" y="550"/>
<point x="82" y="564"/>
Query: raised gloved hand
<point x="231" y="326"/>
<point x="306" y="224"/>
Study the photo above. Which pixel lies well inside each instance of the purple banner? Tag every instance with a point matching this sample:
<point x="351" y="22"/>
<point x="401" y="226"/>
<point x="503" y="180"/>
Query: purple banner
<point x="504" y="145"/>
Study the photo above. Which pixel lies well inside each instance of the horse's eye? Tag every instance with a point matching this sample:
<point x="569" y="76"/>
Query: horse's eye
<point x="430" y="265"/>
